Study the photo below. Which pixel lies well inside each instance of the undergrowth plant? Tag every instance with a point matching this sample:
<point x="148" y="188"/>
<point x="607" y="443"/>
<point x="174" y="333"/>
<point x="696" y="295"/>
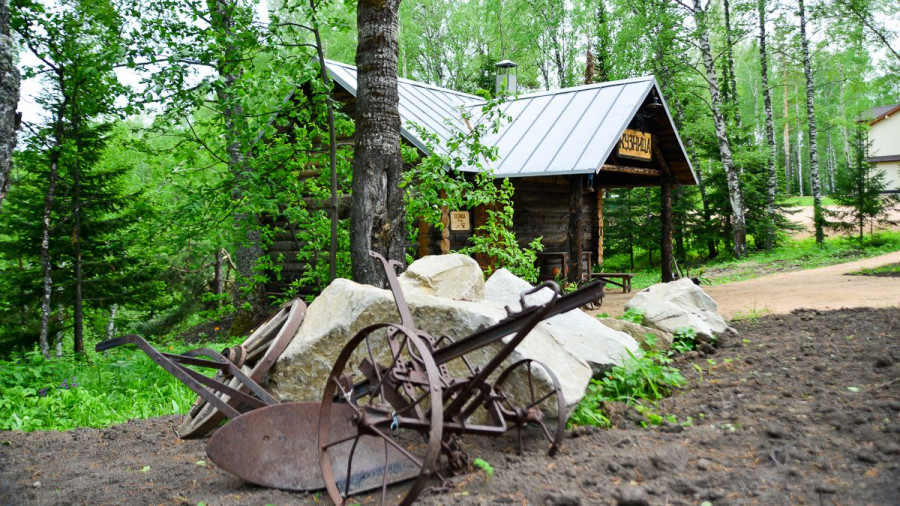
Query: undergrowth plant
<point x="646" y="377"/>
<point x="684" y="340"/>
<point x="105" y="389"/>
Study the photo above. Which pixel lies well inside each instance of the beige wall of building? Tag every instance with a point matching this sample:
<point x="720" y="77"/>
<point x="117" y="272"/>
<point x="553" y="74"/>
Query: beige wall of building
<point x="884" y="137"/>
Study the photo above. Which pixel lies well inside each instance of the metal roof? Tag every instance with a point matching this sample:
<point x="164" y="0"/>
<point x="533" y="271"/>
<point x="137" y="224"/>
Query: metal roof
<point x="436" y="109"/>
<point x="567" y="131"/>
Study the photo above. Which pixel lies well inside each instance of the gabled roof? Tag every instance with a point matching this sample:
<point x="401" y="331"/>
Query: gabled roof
<point x="562" y="132"/>
<point x="877" y="114"/>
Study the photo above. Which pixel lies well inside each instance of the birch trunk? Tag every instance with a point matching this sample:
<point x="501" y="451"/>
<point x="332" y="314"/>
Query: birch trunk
<point x="735" y="196"/>
<point x="818" y="215"/>
<point x="731" y="97"/>
<point x="787" y="134"/>
<point x="376" y="212"/>
<point x="770" y="129"/>
<point x="46" y="267"/>
<point x="60" y="321"/>
<point x="111" y="325"/>
<point x="9" y="100"/>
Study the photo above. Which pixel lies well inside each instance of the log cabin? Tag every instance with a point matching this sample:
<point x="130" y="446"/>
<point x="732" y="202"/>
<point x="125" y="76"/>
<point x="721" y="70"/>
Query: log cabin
<point x="560" y="149"/>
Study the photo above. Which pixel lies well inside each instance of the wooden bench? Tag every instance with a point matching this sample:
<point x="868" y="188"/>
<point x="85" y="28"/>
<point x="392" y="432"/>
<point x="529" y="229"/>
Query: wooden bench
<point x="607" y="277"/>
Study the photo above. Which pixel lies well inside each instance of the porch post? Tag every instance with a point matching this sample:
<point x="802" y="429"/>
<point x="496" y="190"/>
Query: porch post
<point x="667" y="227"/>
<point x="576" y="225"/>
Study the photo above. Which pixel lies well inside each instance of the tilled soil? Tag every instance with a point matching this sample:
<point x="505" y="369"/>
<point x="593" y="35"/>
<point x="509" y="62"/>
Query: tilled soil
<point x="802" y="408"/>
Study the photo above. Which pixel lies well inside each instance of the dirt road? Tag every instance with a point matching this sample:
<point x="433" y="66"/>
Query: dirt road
<point x="822" y="288"/>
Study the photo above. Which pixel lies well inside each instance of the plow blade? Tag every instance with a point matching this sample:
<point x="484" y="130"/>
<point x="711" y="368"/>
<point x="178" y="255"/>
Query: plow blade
<point x="277" y="447"/>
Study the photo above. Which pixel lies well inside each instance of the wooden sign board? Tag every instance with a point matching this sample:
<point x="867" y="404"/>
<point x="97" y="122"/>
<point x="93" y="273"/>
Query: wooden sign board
<point x="459" y="221"/>
<point x="635" y="144"/>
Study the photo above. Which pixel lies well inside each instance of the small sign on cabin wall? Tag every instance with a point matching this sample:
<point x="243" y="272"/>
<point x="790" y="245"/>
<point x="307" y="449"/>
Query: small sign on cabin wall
<point x="459" y="221"/>
<point x="635" y="144"/>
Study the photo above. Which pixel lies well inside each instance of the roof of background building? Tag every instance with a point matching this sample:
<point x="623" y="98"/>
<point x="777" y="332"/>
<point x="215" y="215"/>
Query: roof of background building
<point x="876" y="114"/>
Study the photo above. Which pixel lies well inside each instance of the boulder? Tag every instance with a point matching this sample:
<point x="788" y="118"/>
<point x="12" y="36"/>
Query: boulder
<point x="664" y="339"/>
<point x="345" y="307"/>
<point x="681" y="303"/>
<point x="452" y="276"/>
<point x="579" y="333"/>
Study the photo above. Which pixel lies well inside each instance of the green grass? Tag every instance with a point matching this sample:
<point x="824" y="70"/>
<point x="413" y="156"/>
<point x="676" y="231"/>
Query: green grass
<point x="798" y="255"/>
<point x="808" y="201"/>
<point x="109" y="388"/>
<point x="884" y="269"/>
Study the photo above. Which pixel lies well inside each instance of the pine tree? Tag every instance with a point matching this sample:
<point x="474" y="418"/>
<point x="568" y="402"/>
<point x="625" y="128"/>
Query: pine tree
<point x="859" y="189"/>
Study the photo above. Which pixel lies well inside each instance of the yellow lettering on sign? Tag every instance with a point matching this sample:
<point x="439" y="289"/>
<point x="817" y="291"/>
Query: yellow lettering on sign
<point x="635" y="144"/>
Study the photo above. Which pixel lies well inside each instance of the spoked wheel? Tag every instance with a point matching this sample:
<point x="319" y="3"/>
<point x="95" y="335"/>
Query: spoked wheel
<point x="392" y="431"/>
<point x="532" y="400"/>
<point x="255" y="356"/>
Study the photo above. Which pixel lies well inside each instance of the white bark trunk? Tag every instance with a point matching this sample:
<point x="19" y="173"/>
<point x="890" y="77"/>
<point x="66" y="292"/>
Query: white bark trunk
<point x="770" y="129"/>
<point x="818" y="216"/>
<point x="735" y="195"/>
<point x="111" y="325"/>
<point x="9" y="100"/>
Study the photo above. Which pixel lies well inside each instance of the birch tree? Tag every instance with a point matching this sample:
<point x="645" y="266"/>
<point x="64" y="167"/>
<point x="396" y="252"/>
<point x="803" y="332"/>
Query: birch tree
<point x="771" y="186"/>
<point x="735" y="195"/>
<point x="9" y="100"/>
<point x="818" y="215"/>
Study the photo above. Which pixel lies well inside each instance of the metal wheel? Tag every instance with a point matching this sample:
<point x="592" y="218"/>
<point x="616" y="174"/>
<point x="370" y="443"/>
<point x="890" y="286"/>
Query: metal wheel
<point x="392" y="431"/>
<point x="255" y="356"/>
<point x="531" y="399"/>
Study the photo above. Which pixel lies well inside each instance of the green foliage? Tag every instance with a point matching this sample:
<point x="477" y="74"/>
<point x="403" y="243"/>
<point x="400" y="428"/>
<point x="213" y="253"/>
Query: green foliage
<point x="645" y="377"/>
<point x="884" y="270"/>
<point x="484" y="466"/>
<point x="633" y="315"/>
<point x="684" y="339"/>
<point x="111" y="387"/>
<point x="436" y="185"/>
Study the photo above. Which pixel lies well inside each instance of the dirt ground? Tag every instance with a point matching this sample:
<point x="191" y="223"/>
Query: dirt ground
<point x="802" y="408"/>
<point x="823" y="288"/>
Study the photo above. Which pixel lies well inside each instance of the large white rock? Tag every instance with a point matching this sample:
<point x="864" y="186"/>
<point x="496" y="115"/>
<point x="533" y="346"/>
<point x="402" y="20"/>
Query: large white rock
<point x="681" y="303"/>
<point x="453" y="276"/>
<point x="345" y="307"/>
<point x="576" y="331"/>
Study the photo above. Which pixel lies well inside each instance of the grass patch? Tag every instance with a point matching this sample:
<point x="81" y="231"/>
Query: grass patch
<point x="798" y="255"/>
<point x="808" y="201"/>
<point x="105" y="389"/>
<point x="890" y="269"/>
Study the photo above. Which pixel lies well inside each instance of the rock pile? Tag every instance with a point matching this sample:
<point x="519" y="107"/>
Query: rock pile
<point x="447" y="296"/>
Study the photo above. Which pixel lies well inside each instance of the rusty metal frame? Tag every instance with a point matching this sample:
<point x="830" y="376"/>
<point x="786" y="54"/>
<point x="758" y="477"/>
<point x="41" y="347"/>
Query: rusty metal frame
<point x="385" y="398"/>
<point x="201" y="384"/>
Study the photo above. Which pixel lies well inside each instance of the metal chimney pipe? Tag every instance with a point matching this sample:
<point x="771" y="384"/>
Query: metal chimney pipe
<point x="507" y="77"/>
